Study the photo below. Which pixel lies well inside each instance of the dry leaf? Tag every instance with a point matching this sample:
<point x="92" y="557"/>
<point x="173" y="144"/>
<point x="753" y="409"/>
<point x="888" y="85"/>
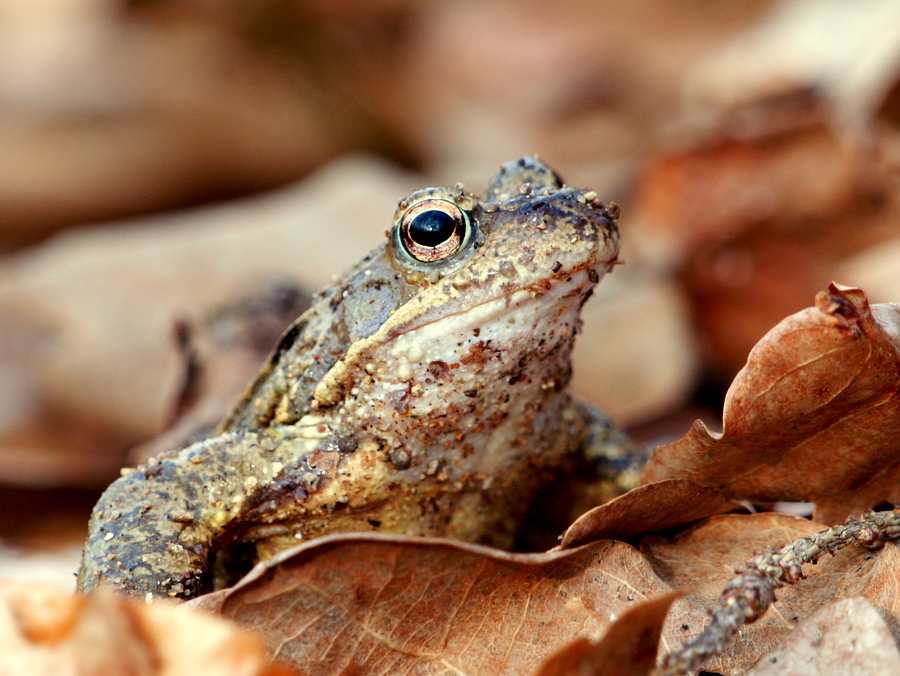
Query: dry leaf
<point x="845" y="638"/>
<point x="628" y="648"/>
<point x="812" y="416"/>
<point x="647" y="509"/>
<point x="708" y="555"/>
<point x="45" y="631"/>
<point x="365" y="603"/>
<point x="371" y="603"/>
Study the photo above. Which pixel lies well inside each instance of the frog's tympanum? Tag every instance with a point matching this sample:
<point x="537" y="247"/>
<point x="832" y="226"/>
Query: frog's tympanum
<point x="423" y="393"/>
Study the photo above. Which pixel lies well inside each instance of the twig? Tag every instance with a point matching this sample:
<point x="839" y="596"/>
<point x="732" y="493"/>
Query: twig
<point x="749" y="595"/>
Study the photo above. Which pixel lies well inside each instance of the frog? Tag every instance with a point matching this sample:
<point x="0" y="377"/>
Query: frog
<point x="424" y="393"/>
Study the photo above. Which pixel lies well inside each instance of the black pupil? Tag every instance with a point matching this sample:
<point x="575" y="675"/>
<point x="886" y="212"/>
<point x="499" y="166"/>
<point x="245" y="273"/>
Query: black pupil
<point x="431" y="228"/>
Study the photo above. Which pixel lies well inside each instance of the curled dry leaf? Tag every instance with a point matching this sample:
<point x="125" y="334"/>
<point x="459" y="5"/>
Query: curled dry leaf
<point x="375" y="604"/>
<point x="627" y="649"/>
<point x="45" y="631"/>
<point x="369" y="603"/>
<point x="845" y="637"/>
<point x="814" y="415"/>
<point x="647" y="509"/>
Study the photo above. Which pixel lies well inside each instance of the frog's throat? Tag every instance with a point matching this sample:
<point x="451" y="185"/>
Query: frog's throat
<point x="491" y="316"/>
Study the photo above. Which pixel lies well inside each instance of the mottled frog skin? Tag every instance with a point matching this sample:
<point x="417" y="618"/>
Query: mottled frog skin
<point x="424" y="393"/>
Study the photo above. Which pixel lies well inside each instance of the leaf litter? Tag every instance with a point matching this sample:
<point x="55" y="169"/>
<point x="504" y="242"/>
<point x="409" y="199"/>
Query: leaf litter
<point x="362" y="603"/>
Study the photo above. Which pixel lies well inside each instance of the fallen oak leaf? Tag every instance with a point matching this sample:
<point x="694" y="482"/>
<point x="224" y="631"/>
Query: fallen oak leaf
<point x="372" y="604"/>
<point x="813" y="416"/>
<point x="628" y="648"/>
<point x="647" y="509"/>
<point x="369" y="603"/>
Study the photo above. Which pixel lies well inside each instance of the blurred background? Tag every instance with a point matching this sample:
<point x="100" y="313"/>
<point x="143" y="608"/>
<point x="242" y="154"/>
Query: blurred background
<point x="177" y="176"/>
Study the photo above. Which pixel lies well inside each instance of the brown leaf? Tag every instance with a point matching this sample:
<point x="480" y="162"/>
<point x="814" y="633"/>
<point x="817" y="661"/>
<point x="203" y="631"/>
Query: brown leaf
<point x="710" y="554"/>
<point x="648" y="508"/>
<point x="845" y="637"/>
<point x="627" y="649"/>
<point x="812" y="416"/>
<point x="45" y="631"/>
<point x="367" y="603"/>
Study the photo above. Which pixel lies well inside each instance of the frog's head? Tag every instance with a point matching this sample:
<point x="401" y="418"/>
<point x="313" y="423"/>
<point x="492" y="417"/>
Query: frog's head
<point x="499" y="274"/>
<point x="426" y="387"/>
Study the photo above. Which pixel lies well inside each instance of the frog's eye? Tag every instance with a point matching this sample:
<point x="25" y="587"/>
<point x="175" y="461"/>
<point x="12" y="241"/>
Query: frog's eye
<point x="433" y="230"/>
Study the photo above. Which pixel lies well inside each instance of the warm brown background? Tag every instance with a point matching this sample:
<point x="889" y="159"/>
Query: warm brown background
<point x="159" y="159"/>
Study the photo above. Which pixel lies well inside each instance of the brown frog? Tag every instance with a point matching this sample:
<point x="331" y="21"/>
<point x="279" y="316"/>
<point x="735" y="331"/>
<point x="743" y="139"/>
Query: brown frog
<point x="424" y="393"/>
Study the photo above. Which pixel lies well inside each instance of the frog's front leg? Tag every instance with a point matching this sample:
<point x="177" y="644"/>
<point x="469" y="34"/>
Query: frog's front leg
<point x="154" y="529"/>
<point x="608" y="462"/>
<point x="603" y="464"/>
<point x="617" y="459"/>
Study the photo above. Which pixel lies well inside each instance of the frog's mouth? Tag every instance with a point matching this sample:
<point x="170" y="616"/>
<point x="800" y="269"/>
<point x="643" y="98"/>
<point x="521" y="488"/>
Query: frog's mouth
<point x="544" y="295"/>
